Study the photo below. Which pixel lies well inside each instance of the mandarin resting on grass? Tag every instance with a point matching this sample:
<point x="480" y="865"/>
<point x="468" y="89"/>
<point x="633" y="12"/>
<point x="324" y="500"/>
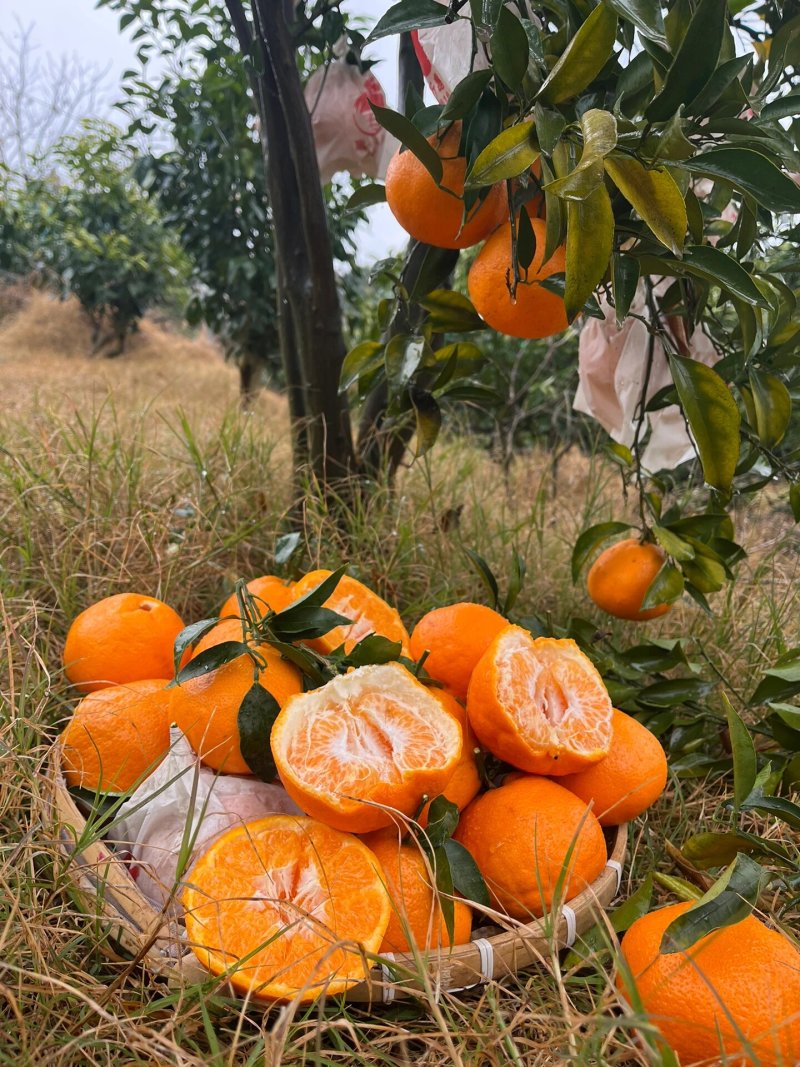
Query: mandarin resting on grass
<point x="123" y="638"/>
<point x="520" y="836"/>
<point x="368" y="743"/>
<point x="415" y="908"/>
<point x="435" y="214"/>
<point x="270" y="594"/>
<point x="370" y="614"/>
<point x="535" y="311"/>
<point x="117" y="735"/>
<point x="540" y="704"/>
<point x="619" y="578"/>
<point x="455" y="636"/>
<point x="735" y="985"/>
<point x="288" y="906"/>
<point x="626" y="781"/>
<point x="206" y="708"/>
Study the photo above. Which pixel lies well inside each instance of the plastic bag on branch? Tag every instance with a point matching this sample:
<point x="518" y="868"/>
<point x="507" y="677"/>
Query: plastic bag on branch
<point x="183" y="799"/>
<point x="347" y="136"/>
<point x="612" y="363"/>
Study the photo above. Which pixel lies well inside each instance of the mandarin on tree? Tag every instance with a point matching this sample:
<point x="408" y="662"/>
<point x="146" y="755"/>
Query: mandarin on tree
<point x="117" y="735"/>
<point x="619" y="578"/>
<point x="455" y="636"/>
<point x="370" y="614"/>
<point x="435" y="214"/>
<point x="206" y="708"/>
<point x="270" y="594"/>
<point x="415" y="908"/>
<point x="368" y="743"/>
<point x="540" y="704"/>
<point x="626" y="781"/>
<point x="535" y="311"/>
<point x="520" y="835"/>
<point x="287" y="904"/>
<point x="737" y="984"/>
<point x="122" y="638"/>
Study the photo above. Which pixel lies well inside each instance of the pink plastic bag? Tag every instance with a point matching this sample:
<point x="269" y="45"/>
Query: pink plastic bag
<point x="347" y="135"/>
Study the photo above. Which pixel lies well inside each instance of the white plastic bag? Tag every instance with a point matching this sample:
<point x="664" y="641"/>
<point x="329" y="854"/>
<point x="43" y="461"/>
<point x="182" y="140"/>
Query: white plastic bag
<point x="153" y="821"/>
<point x="347" y="136"/>
<point x="612" y="362"/>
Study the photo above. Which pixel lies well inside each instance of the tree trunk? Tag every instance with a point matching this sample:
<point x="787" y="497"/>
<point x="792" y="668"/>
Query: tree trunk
<point x="311" y="339"/>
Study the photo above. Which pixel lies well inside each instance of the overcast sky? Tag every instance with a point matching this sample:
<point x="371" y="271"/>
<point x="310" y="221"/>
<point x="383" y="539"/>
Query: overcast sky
<point x="77" y="27"/>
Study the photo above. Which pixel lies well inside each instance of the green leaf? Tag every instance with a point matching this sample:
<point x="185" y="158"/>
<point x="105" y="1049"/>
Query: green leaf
<point x="518" y="569"/>
<point x="526" y="240"/>
<point x="694" y="62"/>
<point x="188" y="638"/>
<point x="785" y="107"/>
<point x="445" y="888"/>
<point x="744" y="754"/>
<point x="583" y="59"/>
<point x="373" y="649"/>
<point x="731" y="899"/>
<point x="624" y="281"/>
<point x="672" y="544"/>
<point x="209" y="660"/>
<point x="510" y="51"/>
<point x="599" y="129"/>
<point x="408" y="135"/>
<point x="403" y="356"/>
<point x="304" y="621"/>
<point x="645" y="16"/>
<point x="365" y="196"/>
<point x="286" y="546"/>
<point x="257" y="712"/>
<point x="773" y="407"/>
<point x="665" y="588"/>
<point x="713" y="418"/>
<point x="590" y="241"/>
<point x="466" y="95"/>
<point x="788" y="713"/>
<point x="442" y="821"/>
<point x="794" y="500"/>
<point x="451" y="312"/>
<point x="674" y="691"/>
<point x="720" y="269"/>
<point x="751" y="172"/>
<point x="590" y="540"/>
<point x="428" y="420"/>
<point x="436" y="265"/>
<point x="485" y="574"/>
<point x="707" y="849"/>
<point x="785" y="810"/>
<point x="467" y="879"/>
<point x="357" y="360"/>
<point x="654" y="195"/>
<point x="409" y="15"/>
<point x="508" y="155"/>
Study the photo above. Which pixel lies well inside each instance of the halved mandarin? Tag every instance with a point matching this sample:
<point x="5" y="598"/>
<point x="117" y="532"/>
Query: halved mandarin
<point x="286" y="907"/>
<point x="540" y="704"/>
<point x="367" y="744"/>
<point x="370" y="614"/>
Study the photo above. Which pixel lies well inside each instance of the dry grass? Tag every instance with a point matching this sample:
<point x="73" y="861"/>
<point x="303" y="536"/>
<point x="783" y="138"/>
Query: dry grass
<point x="142" y="474"/>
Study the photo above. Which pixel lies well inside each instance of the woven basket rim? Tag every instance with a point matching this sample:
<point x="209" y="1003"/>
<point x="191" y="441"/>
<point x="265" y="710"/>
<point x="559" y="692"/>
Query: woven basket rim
<point x="106" y="888"/>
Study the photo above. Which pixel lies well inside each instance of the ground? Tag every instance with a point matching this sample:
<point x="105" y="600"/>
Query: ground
<point x="141" y="473"/>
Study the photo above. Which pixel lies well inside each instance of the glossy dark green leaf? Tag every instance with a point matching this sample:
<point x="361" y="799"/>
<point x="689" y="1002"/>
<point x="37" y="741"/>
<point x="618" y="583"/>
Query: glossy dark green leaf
<point x="708" y="849"/>
<point x="590" y="241"/>
<point x="410" y="137"/>
<point x="451" y="312"/>
<point x="794" y="500"/>
<point x="675" y="691"/>
<point x="624" y="281"/>
<point x="784" y="107"/>
<point x="409" y="15"/>
<point x="751" y="172"/>
<point x="665" y="588"/>
<point x="437" y="264"/>
<point x="655" y="196"/>
<point x="718" y="84"/>
<point x="672" y="544"/>
<point x="583" y="58"/>
<point x="404" y="355"/>
<point x="743" y="751"/>
<point x="646" y="17"/>
<point x="304" y="621"/>
<point x="783" y="809"/>
<point x="720" y="269"/>
<point x="788" y="713"/>
<point x="357" y="360"/>
<point x="467" y="879"/>
<point x="442" y="820"/>
<point x="510" y="153"/>
<point x="373" y="649"/>
<point x="694" y="62"/>
<point x="209" y="660"/>
<point x="526" y="240"/>
<point x="257" y="712"/>
<point x="713" y="418"/>
<point x="188" y="638"/>
<point x="590" y="540"/>
<point x="428" y="417"/>
<point x="510" y="51"/>
<point x="486" y="575"/>
<point x="773" y="407"/>
<point x="444" y="887"/>
<point x="365" y="196"/>
<point x="466" y="95"/>
<point x="731" y="899"/>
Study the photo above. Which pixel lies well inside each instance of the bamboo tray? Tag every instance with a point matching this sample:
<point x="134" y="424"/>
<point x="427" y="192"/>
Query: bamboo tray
<point x="132" y="929"/>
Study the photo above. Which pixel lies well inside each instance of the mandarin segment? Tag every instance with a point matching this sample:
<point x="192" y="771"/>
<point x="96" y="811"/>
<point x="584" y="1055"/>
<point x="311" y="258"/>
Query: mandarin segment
<point x="626" y="781"/>
<point x="619" y="578"/>
<point x="369" y="740"/>
<point x="287" y="907"/>
<point x="523" y="835"/>
<point x="455" y="637"/>
<point x="117" y="736"/>
<point x="739" y="983"/>
<point x="127" y="637"/>
<point x="370" y="614"/>
<point x="540" y="704"/>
